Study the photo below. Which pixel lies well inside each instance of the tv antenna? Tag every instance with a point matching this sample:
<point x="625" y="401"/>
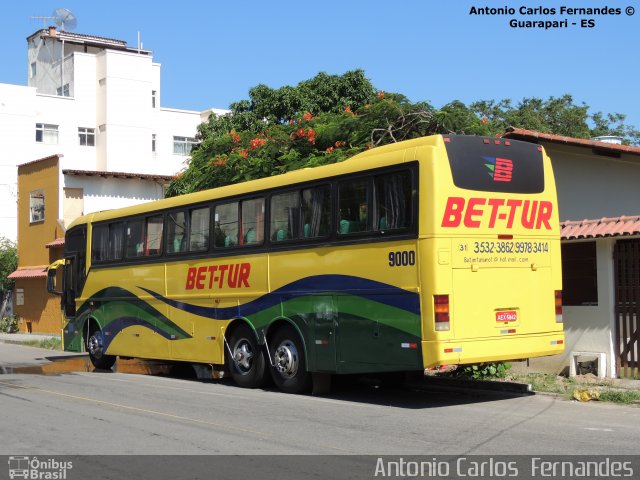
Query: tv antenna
<point x="64" y="19"/>
<point x="44" y="19"/>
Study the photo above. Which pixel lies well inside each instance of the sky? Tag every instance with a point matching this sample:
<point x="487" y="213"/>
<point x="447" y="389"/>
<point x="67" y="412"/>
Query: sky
<point x="212" y="52"/>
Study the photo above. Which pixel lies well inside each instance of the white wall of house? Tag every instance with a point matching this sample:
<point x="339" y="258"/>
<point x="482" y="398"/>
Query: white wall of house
<point x="101" y="193"/>
<point x="110" y="92"/>
<point x="594" y="186"/>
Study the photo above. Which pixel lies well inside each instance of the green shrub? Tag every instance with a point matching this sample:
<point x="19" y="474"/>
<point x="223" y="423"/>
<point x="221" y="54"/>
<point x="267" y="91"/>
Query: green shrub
<point x="484" y="371"/>
<point x="9" y="324"/>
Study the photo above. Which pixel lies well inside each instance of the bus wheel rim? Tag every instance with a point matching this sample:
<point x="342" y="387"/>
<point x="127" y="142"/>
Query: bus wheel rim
<point x="286" y="359"/>
<point x="243" y="355"/>
<point x="96" y="345"/>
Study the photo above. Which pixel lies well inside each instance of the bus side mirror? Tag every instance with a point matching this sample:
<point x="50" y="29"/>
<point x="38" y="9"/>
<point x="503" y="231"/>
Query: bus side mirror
<point x="51" y="282"/>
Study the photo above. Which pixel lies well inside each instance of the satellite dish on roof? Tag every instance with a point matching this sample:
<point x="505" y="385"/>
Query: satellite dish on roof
<point x="65" y="19"/>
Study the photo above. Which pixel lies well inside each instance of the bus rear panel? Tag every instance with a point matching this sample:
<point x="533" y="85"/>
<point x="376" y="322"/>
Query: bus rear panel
<point x="494" y="236"/>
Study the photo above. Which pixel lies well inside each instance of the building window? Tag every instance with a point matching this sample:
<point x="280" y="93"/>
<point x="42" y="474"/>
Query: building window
<point x="154" y="98"/>
<point x="63" y="91"/>
<point x="36" y="206"/>
<point x="87" y="136"/>
<point x="153" y="142"/>
<point x="32" y="70"/>
<point x="183" y="145"/>
<point x="47" y="133"/>
<point x="579" y="274"/>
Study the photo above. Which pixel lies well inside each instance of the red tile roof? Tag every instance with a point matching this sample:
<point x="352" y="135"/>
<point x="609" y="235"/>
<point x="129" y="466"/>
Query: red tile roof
<point x="135" y="176"/>
<point x="30" y="272"/>
<point x="532" y="135"/>
<point x="58" y="242"/>
<point x="598" y="228"/>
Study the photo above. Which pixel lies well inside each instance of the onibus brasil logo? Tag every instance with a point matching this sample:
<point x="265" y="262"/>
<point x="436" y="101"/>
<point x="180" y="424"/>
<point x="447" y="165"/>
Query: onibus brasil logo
<point x="33" y="468"/>
<point x="500" y="169"/>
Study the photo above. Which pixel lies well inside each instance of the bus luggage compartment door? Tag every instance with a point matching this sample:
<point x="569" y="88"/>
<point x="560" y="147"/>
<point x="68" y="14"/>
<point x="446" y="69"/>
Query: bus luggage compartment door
<point x="490" y="302"/>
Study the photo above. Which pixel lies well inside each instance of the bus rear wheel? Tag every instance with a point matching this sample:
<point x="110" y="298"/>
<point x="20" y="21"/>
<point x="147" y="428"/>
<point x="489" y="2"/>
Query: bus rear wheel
<point x="289" y="363"/>
<point x="245" y="358"/>
<point x="95" y="347"/>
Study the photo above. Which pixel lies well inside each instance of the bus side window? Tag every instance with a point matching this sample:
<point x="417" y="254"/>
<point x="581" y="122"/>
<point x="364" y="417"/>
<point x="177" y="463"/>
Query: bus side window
<point x="226" y="225"/>
<point x="154" y="236"/>
<point x="285" y="213"/>
<point x="353" y="199"/>
<point x="199" y="229"/>
<point x="393" y="201"/>
<point x="116" y="241"/>
<point x="316" y="212"/>
<point x="135" y="238"/>
<point x="252" y="221"/>
<point x="176" y="232"/>
<point x="100" y="243"/>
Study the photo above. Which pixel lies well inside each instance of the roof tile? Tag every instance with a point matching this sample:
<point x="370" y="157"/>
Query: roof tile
<point x="599" y="228"/>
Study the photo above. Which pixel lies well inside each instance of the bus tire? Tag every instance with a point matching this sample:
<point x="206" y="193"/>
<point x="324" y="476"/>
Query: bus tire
<point x="289" y="370"/>
<point x="95" y="347"/>
<point x="246" y="361"/>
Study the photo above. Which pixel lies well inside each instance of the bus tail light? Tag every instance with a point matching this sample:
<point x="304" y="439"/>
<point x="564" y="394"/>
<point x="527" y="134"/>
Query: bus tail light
<point x="558" y="306"/>
<point x="441" y="309"/>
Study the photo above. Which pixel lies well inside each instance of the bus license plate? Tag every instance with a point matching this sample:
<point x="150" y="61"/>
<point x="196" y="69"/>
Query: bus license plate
<point x="506" y="316"/>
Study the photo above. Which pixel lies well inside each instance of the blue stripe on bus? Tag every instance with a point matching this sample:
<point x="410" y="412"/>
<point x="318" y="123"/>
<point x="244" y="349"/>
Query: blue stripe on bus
<point x="341" y="284"/>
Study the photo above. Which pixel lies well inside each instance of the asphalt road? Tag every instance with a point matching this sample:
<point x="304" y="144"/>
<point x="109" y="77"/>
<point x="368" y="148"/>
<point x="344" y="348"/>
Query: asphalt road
<point x="116" y="413"/>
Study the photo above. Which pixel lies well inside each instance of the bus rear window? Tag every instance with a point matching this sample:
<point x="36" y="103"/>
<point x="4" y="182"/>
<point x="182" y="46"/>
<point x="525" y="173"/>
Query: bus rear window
<point x="495" y="165"/>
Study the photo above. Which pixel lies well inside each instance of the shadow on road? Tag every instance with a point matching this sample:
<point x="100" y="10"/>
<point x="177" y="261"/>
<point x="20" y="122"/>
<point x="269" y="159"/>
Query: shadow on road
<point x="367" y="389"/>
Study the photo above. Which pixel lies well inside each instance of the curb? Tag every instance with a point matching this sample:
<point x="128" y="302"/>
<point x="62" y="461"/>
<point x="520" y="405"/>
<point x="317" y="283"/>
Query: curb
<point x="461" y="385"/>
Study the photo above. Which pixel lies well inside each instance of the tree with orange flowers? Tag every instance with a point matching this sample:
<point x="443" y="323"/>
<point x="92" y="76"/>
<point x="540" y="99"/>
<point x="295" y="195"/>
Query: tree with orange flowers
<point x="329" y="118"/>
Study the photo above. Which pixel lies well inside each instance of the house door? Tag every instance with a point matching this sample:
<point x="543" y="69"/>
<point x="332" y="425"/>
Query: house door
<point x="626" y="258"/>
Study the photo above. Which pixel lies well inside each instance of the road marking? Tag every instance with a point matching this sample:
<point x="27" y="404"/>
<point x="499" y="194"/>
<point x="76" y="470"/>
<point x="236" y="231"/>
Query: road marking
<point x="154" y="412"/>
<point x="596" y="429"/>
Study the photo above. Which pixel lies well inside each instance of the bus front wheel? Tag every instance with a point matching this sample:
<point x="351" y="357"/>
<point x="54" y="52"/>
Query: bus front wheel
<point x="95" y="347"/>
<point x="245" y="358"/>
<point x="289" y="364"/>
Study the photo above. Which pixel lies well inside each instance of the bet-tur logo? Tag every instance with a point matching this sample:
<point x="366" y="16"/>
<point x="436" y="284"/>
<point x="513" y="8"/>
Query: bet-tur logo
<point x="500" y="169"/>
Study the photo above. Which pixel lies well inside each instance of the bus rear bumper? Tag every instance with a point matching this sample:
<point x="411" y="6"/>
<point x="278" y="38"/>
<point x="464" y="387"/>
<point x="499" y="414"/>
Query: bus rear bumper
<point x="479" y="350"/>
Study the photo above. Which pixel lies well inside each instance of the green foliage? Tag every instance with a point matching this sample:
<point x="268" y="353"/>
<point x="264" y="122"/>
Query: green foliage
<point x="329" y="118"/>
<point x="52" y="343"/>
<point x="625" y="397"/>
<point x="9" y="324"/>
<point x="8" y="264"/>
<point x="560" y="116"/>
<point x="483" y="371"/>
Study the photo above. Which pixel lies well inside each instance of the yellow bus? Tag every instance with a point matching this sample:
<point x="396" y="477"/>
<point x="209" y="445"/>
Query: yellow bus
<point x="441" y="250"/>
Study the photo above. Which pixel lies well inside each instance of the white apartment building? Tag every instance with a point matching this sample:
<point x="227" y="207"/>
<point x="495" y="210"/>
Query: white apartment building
<point x="97" y="102"/>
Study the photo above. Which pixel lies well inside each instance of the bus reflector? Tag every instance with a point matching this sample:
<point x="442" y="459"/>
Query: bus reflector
<point x="558" y="294"/>
<point x="409" y="345"/>
<point x="505" y="237"/>
<point x="557" y="342"/>
<point x="441" y="309"/>
<point x="453" y="350"/>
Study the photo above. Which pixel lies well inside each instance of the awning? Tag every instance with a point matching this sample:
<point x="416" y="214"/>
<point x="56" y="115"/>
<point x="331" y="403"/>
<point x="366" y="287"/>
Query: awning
<point x="601" y="227"/>
<point x="58" y="242"/>
<point x="29" y="272"/>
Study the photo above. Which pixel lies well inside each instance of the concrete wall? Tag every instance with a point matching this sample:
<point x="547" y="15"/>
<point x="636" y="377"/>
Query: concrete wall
<point x="108" y="193"/>
<point x="589" y="328"/>
<point x="594" y="186"/>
